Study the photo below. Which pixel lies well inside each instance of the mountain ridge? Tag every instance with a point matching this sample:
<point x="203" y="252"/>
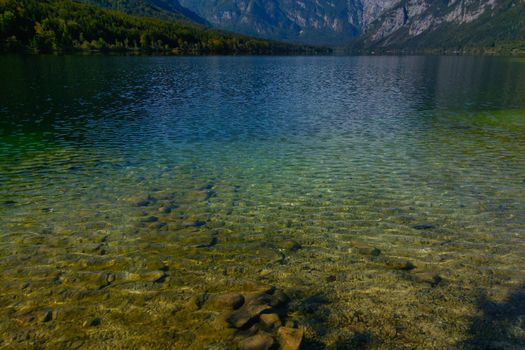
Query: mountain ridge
<point x="366" y="25"/>
<point x="456" y="25"/>
<point x="351" y="26"/>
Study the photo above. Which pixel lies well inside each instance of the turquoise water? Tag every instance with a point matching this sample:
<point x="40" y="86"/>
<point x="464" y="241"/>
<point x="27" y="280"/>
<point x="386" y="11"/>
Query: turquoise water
<point x="383" y="196"/>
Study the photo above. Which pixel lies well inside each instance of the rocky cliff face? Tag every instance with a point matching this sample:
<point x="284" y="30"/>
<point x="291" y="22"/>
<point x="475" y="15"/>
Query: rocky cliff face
<point x="370" y="23"/>
<point x="312" y="21"/>
<point x="412" y="18"/>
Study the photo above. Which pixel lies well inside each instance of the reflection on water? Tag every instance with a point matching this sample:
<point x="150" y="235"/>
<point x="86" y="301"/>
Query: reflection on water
<point x="214" y="203"/>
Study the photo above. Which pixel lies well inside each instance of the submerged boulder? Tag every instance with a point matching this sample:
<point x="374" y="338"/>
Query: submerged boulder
<point x="230" y="301"/>
<point x="247" y="314"/>
<point x="290" y="338"/>
<point x="423" y="226"/>
<point x="270" y="320"/>
<point x="260" y="341"/>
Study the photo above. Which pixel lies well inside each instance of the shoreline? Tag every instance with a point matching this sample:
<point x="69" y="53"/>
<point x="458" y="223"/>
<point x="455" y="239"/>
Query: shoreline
<point x="268" y="54"/>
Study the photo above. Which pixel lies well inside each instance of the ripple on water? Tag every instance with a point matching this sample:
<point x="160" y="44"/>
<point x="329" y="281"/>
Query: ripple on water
<point x="220" y="202"/>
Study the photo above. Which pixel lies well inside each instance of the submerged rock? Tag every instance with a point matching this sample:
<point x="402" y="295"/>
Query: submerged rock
<point x="429" y="277"/>
<point x="164" y="196"/>
<point x="246" y="315"/>
<point x="202" y="240"/>
<point x="208" y="186"/>
<point x="166" y="209"/>
<point x="231" y="301"/>
<point x="201" y="299"/>
<point x="290" y="338"/>
<point x="396" y="264"/>
<point x="150" y="219"/>
<point x="210" y="194"/>
<point x="313" y="303"/>
<point x="140" y="200"/>
<point x="159" y="276"/>
<point x="199" y="223"/>
<point x="270" y="320"/>
<point x="331" y="278"/>
<point x="105" y="279"/>
<point x="213" y="241"/>
<point x="423" y="226"/>
<point x="265" y="300"/>
<point x="260" y="341"/>
<point x="47" y="316"/>
<point x="95" y="322"/>
<point x="160" y="225"/>
<point x="365" y="249"/>
<point x="279" y="298"/>
<point x="289" y="245"/>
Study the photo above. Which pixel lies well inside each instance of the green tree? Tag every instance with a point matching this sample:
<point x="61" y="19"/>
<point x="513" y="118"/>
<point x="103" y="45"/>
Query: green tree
<point x="44" y="40"/>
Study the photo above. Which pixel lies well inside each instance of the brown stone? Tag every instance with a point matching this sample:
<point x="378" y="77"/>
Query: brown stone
<point x="396" y="264"/>
<point x="279" y="298"/>
<point x="260" y="341"/>
<point x="290" y="338"/>
<point x="241" y="317"/>
<point x="230" y="301"/>
<point x="365" y="249"/>
<point x="270" y="320"/>
<point x="140" y="200"/>
<point x="429" y="277"/>
<point x="289" y="245"/>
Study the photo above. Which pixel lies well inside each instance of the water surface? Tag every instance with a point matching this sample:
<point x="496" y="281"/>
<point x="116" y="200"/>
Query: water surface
<point x="383" y="195"/>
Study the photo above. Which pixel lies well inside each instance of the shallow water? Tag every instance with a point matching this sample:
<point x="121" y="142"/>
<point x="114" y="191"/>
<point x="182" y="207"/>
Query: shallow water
<point x="383" y="195"/>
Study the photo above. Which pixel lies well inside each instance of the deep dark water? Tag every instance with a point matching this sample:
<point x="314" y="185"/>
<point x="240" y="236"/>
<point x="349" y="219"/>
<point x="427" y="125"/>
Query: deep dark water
<point x="194" y="202"/>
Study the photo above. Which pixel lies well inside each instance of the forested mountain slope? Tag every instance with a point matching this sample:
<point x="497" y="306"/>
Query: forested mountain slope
<point x="66" y="25"/>
<point x="163" y="9"/>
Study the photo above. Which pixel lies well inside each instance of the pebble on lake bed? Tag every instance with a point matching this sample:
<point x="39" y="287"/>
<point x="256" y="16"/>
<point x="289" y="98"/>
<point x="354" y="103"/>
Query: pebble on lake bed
<point x="290" y="338"/>
<point x="429" y="277"/>
<point x="150" y="219"/>
<point x="247" y="313"/>
<point x="231" y="301"/>
<point x="140" y="200"/>
<point x="262" y="306"/>
<point x="270" y="320"/>
<point x="423" y="226"/>
<point x="397" y="264"/>
<point x="260" y="341"/>
<point x="289" y="245"/>
<point x="47" y="316"/>
<point x="331" y="278"/>
<point x="365" y="249"/>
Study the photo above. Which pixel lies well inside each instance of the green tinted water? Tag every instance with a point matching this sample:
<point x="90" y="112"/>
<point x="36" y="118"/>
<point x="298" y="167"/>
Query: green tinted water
<point x="383" y="195"/>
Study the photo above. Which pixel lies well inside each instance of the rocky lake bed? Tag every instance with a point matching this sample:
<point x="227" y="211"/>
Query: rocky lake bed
<point x="262" y="203"/>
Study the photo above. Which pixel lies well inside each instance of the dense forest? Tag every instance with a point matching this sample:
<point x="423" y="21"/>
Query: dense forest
<point x="161" y="9"/>
<point x="46" y="26"/>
